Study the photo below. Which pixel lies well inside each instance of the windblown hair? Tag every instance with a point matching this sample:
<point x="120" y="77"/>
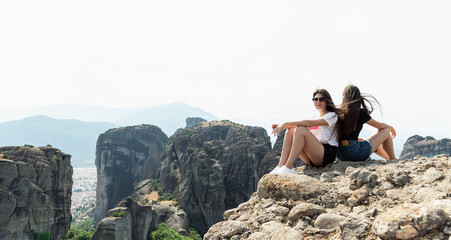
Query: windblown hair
<point x="348" y="112"/>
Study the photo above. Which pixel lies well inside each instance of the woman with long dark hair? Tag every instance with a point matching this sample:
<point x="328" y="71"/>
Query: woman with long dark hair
<point x="355" y="111"/>
<point x="314" y="140"/>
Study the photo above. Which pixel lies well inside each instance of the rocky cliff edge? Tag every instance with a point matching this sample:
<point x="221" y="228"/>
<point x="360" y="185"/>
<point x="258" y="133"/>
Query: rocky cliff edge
<point x="213" y="166"/>
<point x="408" y="199"/>
<point x="35" y="192"/>
<point x="425" y="146"/>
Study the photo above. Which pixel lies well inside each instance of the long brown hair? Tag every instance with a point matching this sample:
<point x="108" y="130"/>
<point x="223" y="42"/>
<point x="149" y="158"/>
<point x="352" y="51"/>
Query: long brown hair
<point x="348" y="112"/>
<point x="330" y="106"/>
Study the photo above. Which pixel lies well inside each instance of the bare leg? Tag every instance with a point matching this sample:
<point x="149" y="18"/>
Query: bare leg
<point x="304" y="140"/>
<point x="286" y="148"/>
<point x="379" y="151"/>
<point x="382" y="153"/>
<point x="303" y="156"/>
<point x="388" y="148"/>
<point x="383" y="137"/>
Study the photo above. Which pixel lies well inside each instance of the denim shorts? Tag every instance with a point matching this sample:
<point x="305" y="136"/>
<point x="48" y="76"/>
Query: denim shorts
<point x="355" y="151"/>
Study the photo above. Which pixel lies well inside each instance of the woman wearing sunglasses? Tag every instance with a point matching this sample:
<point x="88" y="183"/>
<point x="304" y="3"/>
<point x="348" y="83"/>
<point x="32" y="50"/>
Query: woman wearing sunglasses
<point x="312" y="140"/>
<point x="353" y="113"/>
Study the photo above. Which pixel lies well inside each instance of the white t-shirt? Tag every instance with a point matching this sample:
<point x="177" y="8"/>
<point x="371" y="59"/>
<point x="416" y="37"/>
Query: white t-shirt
<point x="324" y="133"/>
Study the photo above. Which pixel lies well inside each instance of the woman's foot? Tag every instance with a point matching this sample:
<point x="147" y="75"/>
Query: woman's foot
<point x="284" y="169"/>
<point x="275" y="170"/>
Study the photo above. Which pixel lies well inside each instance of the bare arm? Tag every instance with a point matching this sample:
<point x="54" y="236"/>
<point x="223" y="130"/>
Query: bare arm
<point x="304" y="123"/>
<point x="381" y="125"/>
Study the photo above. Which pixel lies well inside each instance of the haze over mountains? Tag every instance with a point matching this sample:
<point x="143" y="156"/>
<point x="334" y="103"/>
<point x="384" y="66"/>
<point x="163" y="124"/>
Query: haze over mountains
<point x="119" y="116"/>
<point x="55" y="125"/>
<point x="73" y="137"/>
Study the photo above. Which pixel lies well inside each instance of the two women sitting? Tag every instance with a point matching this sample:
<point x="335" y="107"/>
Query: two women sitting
<point x="334" y="132"/>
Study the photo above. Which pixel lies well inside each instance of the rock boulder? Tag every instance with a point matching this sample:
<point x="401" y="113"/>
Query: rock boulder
<point x="402" y="199"/>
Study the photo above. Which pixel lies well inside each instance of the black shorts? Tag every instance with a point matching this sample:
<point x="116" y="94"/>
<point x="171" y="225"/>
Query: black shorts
<point x="330" y="153"/>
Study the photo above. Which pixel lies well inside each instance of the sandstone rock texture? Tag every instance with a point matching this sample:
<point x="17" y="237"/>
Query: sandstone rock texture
<point x="427" y="147"/>
<point x="212" y="167"/>
<point x="35" y="192"/>
<point x="163" y="212"/>
<point x="129" y="220"/>
<point x="193" y="121"/>
<point x="124" y="157"/>
<point x="134" y="216"/>
<point x="402" y="199"/>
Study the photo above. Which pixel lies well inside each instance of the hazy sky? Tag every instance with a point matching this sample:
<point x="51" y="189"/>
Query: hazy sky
<point x="250" y="61"/>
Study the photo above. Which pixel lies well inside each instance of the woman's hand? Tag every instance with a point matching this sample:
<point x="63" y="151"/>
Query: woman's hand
<point x="380" y="125"/>
<point x="276" y="129"/>
<point x="392" y="131"/>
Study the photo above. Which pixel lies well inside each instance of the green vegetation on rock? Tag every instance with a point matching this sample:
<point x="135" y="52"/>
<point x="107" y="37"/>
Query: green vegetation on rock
<point x="81" y="231"/>
<point x="42" y="236"/>
<point x="191" y="149"/>
<point x="175" y="161"/>
<point x="155" y="185"/>
<point x="119" y="214"/>
<point x="85" y="225"/>
<point x="77" y="234"/>
<point x="164" y="232"/>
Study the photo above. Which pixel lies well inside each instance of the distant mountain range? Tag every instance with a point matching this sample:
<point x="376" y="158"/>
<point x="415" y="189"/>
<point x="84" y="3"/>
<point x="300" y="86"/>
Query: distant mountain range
<point x="73" y="137"/>
<point x="168" y="117"/>
<point x="79" y="137"/>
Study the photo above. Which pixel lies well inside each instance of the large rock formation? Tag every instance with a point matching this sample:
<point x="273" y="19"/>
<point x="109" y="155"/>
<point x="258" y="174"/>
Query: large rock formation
<point x="193" y="121"/>
<point x="427" y="147"/>
<point x="129" y="220"/>
<point x="212" y="167"/>
<point x="35" y="192"/>
<point x="134" y="216"/>
<point x="164" y="211"/>
<point x="124" y="157"/>
<point x="347" y="200"/>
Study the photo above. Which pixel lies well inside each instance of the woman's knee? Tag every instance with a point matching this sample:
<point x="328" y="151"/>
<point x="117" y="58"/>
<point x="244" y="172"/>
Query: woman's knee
<point x="301" y="130"/>
<point x="289" y="131"/>
<point x="385" y="132"/>
<point x="289" y="134"/>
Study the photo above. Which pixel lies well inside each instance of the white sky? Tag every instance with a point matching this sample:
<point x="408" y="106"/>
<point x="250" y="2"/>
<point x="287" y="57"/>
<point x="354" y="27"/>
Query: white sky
<point x="240" y="60"/>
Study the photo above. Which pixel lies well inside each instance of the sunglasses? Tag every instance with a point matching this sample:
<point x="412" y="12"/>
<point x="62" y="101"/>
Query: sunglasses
<point x="318" y="99"/>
